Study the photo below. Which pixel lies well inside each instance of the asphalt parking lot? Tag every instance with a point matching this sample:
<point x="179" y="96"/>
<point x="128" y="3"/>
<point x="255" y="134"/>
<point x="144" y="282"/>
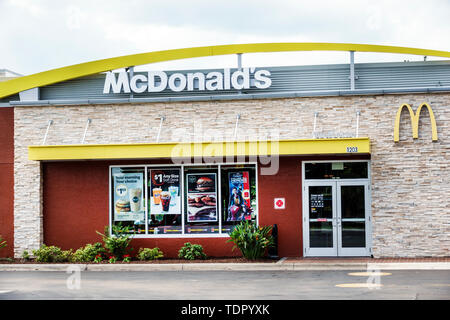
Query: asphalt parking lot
<point x="236" y="285"/>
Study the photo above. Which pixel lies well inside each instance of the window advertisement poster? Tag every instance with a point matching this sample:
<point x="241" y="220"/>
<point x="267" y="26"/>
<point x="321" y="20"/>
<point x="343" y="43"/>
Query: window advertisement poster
<point x="239" y="205"/>
<point x="165" y="191"/>
<point x="201" y="197"/>
<point x="317" y="201"/>
<point x="128" y="196"/>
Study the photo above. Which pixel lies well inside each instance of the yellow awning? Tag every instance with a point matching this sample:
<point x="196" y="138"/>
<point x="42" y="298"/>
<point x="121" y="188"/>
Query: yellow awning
<point x="200" y="149"/>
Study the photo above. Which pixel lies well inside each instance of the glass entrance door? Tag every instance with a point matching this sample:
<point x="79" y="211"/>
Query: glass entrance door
<point x="353" y="218"/>
<point x="321" y="222"/>
<point x="336" y="218"/>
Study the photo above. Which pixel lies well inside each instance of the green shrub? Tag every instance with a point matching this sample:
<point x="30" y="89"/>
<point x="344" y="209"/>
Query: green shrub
<point x="2" y="243"/>
<point x="251" y="240"/>
<point x="88" y="253"/>
<point x="191" y="252"/>
<point x="117" y="243"/>
<point x="145" y="254"/>
<point x="52" y="254"/>
<point x="25" y="255"/>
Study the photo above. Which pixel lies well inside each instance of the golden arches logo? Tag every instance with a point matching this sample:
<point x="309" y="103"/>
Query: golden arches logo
<point x="415" y="121"/>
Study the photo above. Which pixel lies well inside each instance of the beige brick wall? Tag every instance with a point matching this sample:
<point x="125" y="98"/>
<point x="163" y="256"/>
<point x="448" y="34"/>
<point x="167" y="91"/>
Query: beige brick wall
<point x="410" y="180"/>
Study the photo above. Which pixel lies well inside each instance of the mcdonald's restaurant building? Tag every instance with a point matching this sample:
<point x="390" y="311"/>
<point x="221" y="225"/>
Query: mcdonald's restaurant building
<point x="345" y="159"/>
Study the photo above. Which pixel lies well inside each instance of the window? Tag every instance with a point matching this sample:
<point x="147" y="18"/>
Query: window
<point x="183" y="200"/>
<point x="336" y="170"/>
<point x="238" y="186"/>
<point x="128" y="208"/>
<point x="201" y="199"/>
<point x="164" y="201"/>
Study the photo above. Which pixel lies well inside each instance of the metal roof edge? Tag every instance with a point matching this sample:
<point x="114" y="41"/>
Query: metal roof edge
<point x="243" y="96"/>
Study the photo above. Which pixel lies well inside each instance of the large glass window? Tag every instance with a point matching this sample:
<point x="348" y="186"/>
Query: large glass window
<point x="336" y="170"/>
<point x="238" y="186"/>
<point x="201" y="199"/>
<point x="183" y="200"/>
<point x="164" y="201"/>
<point x="127" y="197"/>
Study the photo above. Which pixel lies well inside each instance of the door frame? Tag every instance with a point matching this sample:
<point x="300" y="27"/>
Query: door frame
<point x="319" y="252"/>
<point x="336" y="183"/>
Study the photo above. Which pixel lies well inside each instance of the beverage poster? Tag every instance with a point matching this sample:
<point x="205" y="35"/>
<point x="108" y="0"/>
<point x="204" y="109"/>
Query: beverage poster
<point x="239" y="205"/>
<point x="128" y="196"/>
<point x="201" y="197"/>
<point x="164" y="192"/>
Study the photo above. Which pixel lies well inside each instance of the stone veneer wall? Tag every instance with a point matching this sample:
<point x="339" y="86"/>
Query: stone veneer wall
<point x="410" y="180"/>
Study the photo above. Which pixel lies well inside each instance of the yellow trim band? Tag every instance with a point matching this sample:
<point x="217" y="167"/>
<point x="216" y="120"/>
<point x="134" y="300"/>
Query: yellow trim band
<point x="45" y="78"/>
<point x="205" y="150"/>
<point x="415" y="121"/>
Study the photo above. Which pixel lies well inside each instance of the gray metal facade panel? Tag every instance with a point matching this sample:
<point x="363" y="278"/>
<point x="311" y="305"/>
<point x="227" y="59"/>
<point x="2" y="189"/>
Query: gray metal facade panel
<point x="403" y="76"/>
<point x="298" y="79"/>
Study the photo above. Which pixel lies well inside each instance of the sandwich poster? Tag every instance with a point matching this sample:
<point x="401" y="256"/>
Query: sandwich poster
<point x="201" y="197"/>
<point x="164" y="191"/>
<point x="128" y="196"/>
<point x="239" y="206"/>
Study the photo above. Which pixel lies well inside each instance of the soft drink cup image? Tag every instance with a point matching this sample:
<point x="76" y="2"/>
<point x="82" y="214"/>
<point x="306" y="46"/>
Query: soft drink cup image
<point x="165" y="200"/>
<point x="156" y="195"/>
<point x="173" y="195"/>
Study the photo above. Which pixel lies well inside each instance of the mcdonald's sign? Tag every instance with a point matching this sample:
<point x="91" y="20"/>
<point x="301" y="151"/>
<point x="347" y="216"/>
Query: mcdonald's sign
<point x="415" y="122"/>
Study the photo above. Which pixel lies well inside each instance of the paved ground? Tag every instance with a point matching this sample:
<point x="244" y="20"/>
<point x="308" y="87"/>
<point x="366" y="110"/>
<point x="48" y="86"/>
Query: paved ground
<point x="236" y="285"/>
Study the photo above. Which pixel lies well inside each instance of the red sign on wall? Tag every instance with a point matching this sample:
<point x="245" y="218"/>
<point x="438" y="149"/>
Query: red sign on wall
<point x="279" y="203"/>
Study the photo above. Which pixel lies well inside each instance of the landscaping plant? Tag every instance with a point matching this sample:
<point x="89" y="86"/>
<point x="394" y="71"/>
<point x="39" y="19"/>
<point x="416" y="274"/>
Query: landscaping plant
<point x="146" y="254"/>
<point x="251" y="240"/>
<point x="88" y="253"/>
<point x="52" y="254"/>
<point x="25" y="255"/>
<point x="117" y="243"/>
<point x="2" y="243"/>
<point x="191" y="252"/>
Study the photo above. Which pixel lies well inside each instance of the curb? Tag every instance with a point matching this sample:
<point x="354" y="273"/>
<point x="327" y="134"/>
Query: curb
<point x="410" y="266"/>
<point x="285" y="266"/>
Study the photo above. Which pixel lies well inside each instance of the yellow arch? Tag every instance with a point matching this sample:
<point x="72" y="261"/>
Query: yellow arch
<point x="88" y="68"/>
<point x="415" y="121"/>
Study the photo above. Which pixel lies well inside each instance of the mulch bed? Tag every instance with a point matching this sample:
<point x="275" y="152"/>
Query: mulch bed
<point x="159" y="261"/>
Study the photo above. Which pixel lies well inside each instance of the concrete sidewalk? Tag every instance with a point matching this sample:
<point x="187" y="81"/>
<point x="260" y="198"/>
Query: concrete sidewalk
<point x="284" y="264"/>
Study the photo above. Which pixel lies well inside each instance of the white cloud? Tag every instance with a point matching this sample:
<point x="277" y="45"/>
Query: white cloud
<point x="49" y="34"/>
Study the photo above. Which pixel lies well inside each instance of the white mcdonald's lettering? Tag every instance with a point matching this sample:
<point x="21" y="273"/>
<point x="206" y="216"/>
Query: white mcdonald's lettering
<point x="157" y="81"/>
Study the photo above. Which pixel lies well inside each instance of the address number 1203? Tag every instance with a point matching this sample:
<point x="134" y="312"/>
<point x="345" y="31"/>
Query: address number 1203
<point x="352" y="149"/>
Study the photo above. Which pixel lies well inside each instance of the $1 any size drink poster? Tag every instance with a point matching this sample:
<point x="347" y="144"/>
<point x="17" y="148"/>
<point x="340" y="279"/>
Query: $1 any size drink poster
<point x="128" y="196"/>
<point x="239" y="206"/>
<point x="164" y="191"/>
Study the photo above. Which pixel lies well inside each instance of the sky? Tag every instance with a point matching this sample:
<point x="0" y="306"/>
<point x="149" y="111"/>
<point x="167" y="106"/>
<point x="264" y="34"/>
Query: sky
<point x="38" y="35"/>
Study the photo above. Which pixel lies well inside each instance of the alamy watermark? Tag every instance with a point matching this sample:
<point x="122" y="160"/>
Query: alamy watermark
<point x="73" y="281"/>
<point x="212" y="146"/>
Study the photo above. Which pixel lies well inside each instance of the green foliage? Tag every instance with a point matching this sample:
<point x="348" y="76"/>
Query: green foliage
<point x="191" y="252"/>
<point x="2" y="243"/>
<point x="251" y="240"/>
<point x="145" y="254"/>
<point x="25" y="255"/>
<point x="88" y="253"/>
<point x="52" y="254"/>
<point x="117" y="243"/>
